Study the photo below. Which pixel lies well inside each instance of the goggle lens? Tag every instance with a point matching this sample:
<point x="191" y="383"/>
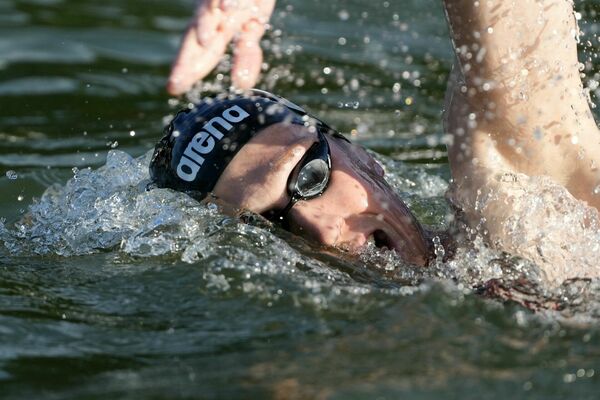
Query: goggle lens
<point x="309" y="178"/>
<point x="312" y="179"/>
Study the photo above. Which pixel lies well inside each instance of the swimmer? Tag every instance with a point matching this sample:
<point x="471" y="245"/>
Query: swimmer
<point x="520" y="126"/>
<point x="262" y="153"/>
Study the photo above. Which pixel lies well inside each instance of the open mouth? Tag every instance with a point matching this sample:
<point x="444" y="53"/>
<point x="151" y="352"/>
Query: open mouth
<point x="382" y="240"/>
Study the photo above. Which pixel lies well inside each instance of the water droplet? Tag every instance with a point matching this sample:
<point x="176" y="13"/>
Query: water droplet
<point x="20" y="197"/>
<point x="344" y="15"/>
<point x="523" y="96"/>
<point x="12" y="175"/>
<point x="438" y="248"/>
<point x="590" y="373"/>
<point x="131" y="133"/>
<point x="354" y="105"/>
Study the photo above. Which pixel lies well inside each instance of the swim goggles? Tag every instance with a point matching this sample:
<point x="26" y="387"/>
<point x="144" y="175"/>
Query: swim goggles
<point x="309" y="178"/>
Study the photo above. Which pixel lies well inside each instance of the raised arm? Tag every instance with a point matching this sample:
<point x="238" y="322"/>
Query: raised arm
<point x="215" y="24"/>
<point x="525" y="149"/>
<point x="517" y="103"/>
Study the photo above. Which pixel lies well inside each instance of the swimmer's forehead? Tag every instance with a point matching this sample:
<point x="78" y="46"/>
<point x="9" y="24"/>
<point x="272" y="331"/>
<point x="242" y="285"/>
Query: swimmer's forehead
<point x="257" y="176"/>
<point x="276" y="144"/>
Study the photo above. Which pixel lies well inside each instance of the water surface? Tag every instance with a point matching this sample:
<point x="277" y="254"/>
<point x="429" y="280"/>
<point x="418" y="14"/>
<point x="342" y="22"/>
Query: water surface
<point x="109" y="291"/>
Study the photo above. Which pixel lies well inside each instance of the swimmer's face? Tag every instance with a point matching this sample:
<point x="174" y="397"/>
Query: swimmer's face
<point x="357" y="205"/>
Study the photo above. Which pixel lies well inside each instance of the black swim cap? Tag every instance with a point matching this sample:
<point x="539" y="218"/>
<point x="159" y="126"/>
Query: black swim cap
<point x="201" y="141"/>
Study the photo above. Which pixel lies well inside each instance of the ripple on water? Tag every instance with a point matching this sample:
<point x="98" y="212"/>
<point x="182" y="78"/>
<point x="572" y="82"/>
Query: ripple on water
<point x="51" y="45"/>
<point x="38" y="86"/>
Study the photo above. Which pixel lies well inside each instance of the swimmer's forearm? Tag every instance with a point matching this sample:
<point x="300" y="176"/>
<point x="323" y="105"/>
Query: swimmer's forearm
<point x="507" y="48"/>
<point x="520" y="106"/>
<point x="522" y="91"/>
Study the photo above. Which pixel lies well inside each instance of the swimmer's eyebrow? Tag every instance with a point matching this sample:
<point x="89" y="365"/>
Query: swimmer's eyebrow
<point x="282" y="160"/>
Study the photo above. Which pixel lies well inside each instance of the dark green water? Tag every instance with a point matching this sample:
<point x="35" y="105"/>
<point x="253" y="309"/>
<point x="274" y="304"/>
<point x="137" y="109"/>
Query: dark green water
<point x="108" y="292"/>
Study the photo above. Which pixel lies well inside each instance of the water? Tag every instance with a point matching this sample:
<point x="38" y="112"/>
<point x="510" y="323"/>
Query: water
<point x="110" y="291"/>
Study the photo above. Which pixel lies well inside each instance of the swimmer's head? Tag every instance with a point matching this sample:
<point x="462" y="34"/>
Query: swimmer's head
<point x="262" y="153"/>
<point x="200" y="141"/>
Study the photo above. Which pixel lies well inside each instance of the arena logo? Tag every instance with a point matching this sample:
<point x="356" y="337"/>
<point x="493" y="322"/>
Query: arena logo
<point x="203" y="142"/>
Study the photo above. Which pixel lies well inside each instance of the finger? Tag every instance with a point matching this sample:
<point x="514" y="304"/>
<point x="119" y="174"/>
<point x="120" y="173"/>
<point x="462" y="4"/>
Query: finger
<point x="207" y="19"/>
<point x="265" y="8"/>
<point x="236" y="13"/>
<point x="248" y="55"/>
<point x="229" y="6"/>
<point x="194" y="61"/>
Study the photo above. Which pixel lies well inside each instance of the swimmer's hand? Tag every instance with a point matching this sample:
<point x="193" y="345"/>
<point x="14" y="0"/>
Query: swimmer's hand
<point x="216" y="23"/>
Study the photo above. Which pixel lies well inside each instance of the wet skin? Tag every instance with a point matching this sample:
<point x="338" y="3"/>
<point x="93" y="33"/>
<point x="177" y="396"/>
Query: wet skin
<point x="357" y="205"/>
